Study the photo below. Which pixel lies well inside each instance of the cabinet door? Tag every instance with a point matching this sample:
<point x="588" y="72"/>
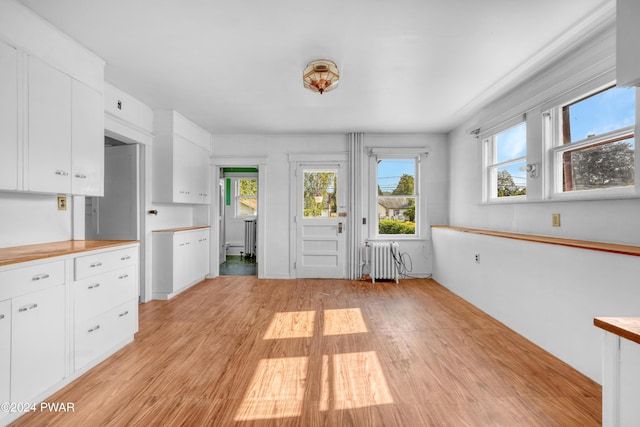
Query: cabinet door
<point x="37" y="342"/>
<point x="49" y="154"/>
<point x="8" y="118"/>
<point x="179" y="268"/>
<point x="203" y="253"/>
<point x="5" y="350"/>
<point x="182" y="170"/>
<point x="203" y="175"/>
<point x="87" y="139"/>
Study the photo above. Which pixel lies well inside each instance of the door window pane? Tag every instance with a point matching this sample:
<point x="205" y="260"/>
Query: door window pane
<point x="320" y="192"/>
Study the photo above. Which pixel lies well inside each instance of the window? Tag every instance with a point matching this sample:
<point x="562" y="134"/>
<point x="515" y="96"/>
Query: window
<point x="246" y="200"/>
<point x="320" y="193"/>
<point x="397" y="198"/>
<point x="594" y="143"/>
<point x="505" y="163"/>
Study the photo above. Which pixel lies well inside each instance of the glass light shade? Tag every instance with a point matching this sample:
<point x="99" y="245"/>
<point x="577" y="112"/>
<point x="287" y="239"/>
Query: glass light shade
<point x="321" y="76"/>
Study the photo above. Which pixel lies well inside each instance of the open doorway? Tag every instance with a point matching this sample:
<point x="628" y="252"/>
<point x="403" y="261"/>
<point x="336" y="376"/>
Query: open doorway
<point x="238" y="221"/>
<point x="117" y="215"/>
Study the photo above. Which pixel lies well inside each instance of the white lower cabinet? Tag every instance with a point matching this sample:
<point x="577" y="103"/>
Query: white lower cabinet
<point x="180" y="259"/>
<point x="37" y="342"/>
<point x="105" y="298"/>
<point x="61" y="315"/>
<point x="95" y="336"/>
<point x="5" y="350"/>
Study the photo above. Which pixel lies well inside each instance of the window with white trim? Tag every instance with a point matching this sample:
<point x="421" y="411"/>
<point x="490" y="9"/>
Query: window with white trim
<point x="505" y="155"/>
<point x="397" y="196"/>
<point x="246" y="197"/>
<point x="593" y="142"/>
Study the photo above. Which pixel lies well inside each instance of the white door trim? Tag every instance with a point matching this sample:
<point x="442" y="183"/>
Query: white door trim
<point x="295" y="160"/>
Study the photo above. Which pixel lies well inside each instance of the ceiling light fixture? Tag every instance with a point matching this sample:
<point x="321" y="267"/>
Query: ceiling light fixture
<point x="321" y="76"/>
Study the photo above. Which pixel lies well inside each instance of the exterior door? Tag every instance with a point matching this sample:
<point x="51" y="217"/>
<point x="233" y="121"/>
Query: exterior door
<point x="321" y="220"/>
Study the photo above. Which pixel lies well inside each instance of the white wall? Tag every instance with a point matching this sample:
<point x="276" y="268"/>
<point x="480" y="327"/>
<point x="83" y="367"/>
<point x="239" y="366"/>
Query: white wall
<point x="276" y="148"/>
<point x="434" y="179"/>
<point x="549" y="294"/>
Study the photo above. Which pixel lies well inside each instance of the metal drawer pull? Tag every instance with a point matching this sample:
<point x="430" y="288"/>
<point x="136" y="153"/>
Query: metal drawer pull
<point x="81" y="176"/>
<point x="95" y="264"/>
<point x="123" y="314"/>
<point x="62" y="173"/>
<point x="27" y="307"/>
<point x="95" y="328"/>
<point x="95" y="285"/>
<point x="124" y="276"/>
<point x="40" y="277"/>
<point x="124" y="258"/>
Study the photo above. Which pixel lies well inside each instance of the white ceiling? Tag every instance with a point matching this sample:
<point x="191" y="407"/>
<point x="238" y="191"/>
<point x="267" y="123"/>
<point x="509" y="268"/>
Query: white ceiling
<point x="236" y="66"/>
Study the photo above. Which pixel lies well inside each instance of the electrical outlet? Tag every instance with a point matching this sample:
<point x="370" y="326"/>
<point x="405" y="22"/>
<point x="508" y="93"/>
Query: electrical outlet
<point x="555" y="220"/>
<point x="62" y="203"/>
<point x="477" y="258"/>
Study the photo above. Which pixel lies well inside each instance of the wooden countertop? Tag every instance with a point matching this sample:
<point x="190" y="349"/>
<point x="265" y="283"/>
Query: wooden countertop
<point x="173" y="230"/>
<point x="626" y="327"/>
<point x="582" y="244"/>
<point x="18" y="254"/>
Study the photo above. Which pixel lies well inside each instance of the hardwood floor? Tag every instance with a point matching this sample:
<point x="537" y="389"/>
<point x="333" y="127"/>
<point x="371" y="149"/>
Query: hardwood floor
<point x="238" y="351"/>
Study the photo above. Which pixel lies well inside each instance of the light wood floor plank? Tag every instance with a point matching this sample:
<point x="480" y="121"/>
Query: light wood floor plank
<point x="238" y="351"/>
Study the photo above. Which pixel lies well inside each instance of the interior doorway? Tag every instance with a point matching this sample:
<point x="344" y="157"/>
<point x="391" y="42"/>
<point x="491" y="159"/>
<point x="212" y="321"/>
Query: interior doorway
<point x="238" y="221"/>
<point x="117" y="215"/>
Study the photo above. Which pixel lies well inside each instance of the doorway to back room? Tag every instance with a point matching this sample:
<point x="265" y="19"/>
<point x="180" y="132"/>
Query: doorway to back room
<point x="238" y="221"/>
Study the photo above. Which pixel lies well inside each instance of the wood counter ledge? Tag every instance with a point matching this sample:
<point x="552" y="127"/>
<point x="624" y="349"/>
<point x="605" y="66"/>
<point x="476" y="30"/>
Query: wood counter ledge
<point x="173" y="230"/>
<point x="625" y="327"/>
<point x="582" y="244"/>
<point x="18" y="254"/>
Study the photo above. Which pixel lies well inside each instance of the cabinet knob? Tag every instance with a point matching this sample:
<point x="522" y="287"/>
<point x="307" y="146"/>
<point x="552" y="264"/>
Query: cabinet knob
<point x="62" y="173"/>
<point x="40" y="277"/>
<point x="124" y="276"/>
<point x="124" y="258"/>
<point x="123" y="314"/>
<point x="95" y="264"/>
<point x="95" y="328"/>
<point x="81" y="176"/>
<point x="95" y="285"/>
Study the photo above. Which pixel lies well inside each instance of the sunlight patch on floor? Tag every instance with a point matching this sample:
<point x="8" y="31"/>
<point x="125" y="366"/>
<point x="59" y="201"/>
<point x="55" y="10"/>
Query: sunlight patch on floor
<point x="276" y="390"/>
<point x="344" y="321"/>
<point x="294" y="324"/>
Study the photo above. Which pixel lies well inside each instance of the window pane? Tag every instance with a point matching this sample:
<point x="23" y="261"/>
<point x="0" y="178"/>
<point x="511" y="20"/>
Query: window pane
<point x="603" y="112"/>
<point x="599" y="166"/>
<point x="247" y="206"/>
<point x="248" y="187"/>
<point x="396" y="177"/>
<point x="396" y="215"/>
<point x="512" y="143"/>
<point x="512" y="180"/>
<point x="320" y="189"/>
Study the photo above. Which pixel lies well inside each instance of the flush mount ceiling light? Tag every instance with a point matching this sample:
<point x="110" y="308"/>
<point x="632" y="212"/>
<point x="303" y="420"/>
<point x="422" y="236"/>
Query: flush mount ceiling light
<point x="321" y="76"/>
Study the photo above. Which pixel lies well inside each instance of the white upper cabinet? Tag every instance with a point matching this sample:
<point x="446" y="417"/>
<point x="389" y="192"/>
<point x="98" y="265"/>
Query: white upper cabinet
<point x="8" y="118"/>
<point x="49" y="136"/>
<point x="87" y="141"/>
<point x="627" y="46"/>
<point x="181" y="152"/>
<point x="63" y="144"/>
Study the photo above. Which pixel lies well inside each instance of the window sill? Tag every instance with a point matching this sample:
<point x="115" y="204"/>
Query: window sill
<point x="575" y="197"/>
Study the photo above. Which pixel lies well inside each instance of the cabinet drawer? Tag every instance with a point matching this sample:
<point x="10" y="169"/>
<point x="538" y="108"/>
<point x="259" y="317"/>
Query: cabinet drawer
<point x="21" y="281"/>
<point x="97" y="294"/>
<point x="91" y="265"/>
<point x="96" y="336"/>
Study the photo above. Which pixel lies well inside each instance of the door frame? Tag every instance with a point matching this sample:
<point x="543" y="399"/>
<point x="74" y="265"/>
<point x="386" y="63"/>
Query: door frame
<point x="294" y="161"/>
<point x="252" y="162"/>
